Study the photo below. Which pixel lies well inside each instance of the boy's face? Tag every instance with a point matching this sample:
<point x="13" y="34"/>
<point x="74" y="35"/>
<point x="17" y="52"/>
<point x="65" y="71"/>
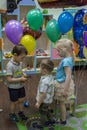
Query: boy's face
<point x="19" y="58"/>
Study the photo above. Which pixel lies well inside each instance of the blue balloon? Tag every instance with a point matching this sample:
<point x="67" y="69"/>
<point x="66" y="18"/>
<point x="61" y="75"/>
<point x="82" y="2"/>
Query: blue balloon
<point x="65" y="22"/>
<point x="78" y="34"/>
<point x="81" y="55"/>
<point x="79" y="26"/>
<point x="78" y="18"/>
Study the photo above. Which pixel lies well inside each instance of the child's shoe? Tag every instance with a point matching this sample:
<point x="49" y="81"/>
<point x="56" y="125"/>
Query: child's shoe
<point x="37" y="125"/>
<point x="13" y="117"/>
<point x="63" y="122"/>
<point x="22" y="116"/>
<point x="49" y="122"/>
<point x="60" y="122"/>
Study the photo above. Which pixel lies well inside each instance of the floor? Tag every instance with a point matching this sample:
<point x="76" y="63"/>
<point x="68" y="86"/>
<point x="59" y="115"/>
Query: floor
<point x="80" y="76"/>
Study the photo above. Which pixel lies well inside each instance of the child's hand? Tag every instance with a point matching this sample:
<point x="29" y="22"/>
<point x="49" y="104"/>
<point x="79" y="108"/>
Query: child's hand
<point x="25" y="76"/>
<point x="23" y="79"/>
<point x="37" y="105"/>
<point x="64" y="93"/>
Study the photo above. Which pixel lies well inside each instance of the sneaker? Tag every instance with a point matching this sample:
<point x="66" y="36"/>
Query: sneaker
<point x="63" y="122"/>
<point x="22" y="116"/>
<point x="37" y="125"/>
<point x="13" y="117"/>
<point x="60" y="122"/>
<point x="49" y="123"/>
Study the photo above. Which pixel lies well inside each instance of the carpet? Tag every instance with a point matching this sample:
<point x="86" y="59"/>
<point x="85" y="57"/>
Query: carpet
<point x="76" y="122"/>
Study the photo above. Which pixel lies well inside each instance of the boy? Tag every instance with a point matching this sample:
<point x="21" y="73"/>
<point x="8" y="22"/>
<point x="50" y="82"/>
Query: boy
<point x="16" y="81"/>
<point x="45" y="92"/>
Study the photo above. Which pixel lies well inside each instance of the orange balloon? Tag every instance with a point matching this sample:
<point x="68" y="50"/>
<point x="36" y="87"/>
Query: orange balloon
<point x="76" y="47"/>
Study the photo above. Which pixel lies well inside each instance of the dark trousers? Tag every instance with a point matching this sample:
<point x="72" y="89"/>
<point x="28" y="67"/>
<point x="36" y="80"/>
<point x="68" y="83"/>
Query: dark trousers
<point x="45" y="112"/>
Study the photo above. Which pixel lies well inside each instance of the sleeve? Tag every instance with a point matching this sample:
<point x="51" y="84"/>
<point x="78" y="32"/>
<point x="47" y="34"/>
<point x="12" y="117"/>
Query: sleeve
<point x="66" y="63"/>
<point x="43" y="87"/>
<point x="9" y="69"/>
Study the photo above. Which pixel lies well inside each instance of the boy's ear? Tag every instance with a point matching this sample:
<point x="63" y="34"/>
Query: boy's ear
<point x="15" y="54"/>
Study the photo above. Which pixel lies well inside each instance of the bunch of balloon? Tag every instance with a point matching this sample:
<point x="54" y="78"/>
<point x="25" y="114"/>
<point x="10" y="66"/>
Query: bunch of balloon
<point x="52" y="30"/>
<point x="14" y="31"/>
<point x="65" y="22"/>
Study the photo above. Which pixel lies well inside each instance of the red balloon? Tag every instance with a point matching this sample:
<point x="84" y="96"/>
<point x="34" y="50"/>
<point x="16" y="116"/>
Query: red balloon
<point x="35" y="34"/>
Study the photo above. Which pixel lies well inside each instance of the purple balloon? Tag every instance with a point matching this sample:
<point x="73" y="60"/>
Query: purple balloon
<point x="14" y="31"/>
<point x="85" y="38"/>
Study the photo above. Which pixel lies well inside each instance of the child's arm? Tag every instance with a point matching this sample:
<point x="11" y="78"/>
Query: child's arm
<point x="68" y="80"/>
<point x="42" y="97"/>
<point x="15" y="80"/>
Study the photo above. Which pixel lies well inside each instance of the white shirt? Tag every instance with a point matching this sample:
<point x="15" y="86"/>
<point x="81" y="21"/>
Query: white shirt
<point x="46" y="85"/>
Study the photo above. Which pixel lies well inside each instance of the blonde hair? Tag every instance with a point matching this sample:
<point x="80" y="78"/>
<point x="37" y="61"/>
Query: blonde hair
<point x="66" y="43"/>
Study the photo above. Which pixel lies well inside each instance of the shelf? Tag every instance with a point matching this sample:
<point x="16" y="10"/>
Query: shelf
<point x="28" y="72"/>
<point x="47" y="18"/>
<point x="5" y="18"/>
<point x="38" y="70"/>
<point x="42" y="57"/>
<point x="24" y="10"/>
<point x="47" y="15"/>
<point x="15" y="12"/>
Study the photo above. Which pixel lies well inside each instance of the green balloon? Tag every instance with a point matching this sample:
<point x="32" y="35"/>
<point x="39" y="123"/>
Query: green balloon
<point x="52" y="30"/>
<point x="35" y="19"/>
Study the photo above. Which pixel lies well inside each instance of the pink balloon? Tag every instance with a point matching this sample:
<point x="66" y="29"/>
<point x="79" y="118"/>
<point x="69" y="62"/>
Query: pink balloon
<point x="14" y="31"/>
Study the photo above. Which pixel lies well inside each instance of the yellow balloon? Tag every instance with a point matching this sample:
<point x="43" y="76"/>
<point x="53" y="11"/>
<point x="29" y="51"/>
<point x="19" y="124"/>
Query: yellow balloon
<point x="29" y="43"/>
<point x="85" y="52"/>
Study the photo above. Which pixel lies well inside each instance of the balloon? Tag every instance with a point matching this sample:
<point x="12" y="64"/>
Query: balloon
<point x="79" y="18"/>
<point x="52" y="30"/>
<point x="35" y="34"/>
<point x="29" y="42"/>
<point x="65" y="22"/>
<point x="80" y="26"/>
<point x="85" y="52"/>
<point x="78" y="34"/>
<point x="81" y="54"/>
<point x="85" y="38"/>
<point x="14" y="31"/>
<point x="35" y="19"/>
<point x="76" y="47"/>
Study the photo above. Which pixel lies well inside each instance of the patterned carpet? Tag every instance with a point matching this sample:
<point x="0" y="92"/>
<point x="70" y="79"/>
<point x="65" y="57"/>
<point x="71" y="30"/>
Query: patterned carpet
<point x="76" y="122"/>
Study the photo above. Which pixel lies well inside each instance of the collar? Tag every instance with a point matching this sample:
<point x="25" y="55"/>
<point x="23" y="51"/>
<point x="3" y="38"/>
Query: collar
<point x="15" y="63"/>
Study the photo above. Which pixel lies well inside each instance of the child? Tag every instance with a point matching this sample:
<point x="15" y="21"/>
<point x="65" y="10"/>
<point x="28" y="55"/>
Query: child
<point x="64" y="85"/>
<point x="15" y="82"/>
<point x="45" y="90"/>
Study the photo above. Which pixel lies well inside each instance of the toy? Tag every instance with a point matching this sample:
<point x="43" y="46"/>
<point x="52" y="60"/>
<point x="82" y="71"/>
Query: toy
<point x="26" y="104"/>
